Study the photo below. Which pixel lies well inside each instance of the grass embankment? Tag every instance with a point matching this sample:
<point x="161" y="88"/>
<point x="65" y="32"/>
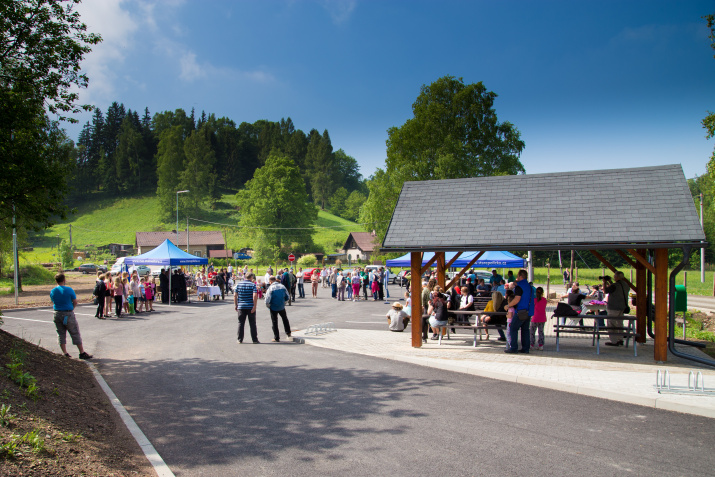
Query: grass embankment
<point x="31" y="275"/>
<point x="103" y="221"/>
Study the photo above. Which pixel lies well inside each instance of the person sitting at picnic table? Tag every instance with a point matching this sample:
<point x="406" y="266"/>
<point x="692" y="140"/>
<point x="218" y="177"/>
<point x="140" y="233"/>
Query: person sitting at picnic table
<point x="437" y="311"/>
<point x="574" y="298"/>
<point x="499" y="320"/>
<point x="482" y="288"/>
<point x="502" y="287"/>
<point x="510" y="277"/>
<point x="397" y="319"/>
<point x="470" y="286"/>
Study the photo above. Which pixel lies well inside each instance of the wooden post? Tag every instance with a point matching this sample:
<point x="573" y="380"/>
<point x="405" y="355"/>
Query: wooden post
<point x="548" y="279"/>
<point x="575" y="273"/>
<point x="660" y="352"/>
<point x="685" y="279"/>
<point x="416" y="293"/>
<point x="641" y="299"/>
<point x="631" y="275"/>
<point x="440" y="269"/>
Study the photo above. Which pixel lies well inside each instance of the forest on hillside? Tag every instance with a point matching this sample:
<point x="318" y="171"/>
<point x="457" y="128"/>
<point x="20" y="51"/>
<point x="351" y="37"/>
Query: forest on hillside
<point x="122" y="152"/>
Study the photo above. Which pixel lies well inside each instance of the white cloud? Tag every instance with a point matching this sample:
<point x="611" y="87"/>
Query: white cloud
<point x="116" y="26"/>
<point x="340" y="10"/>
<point x="190" y="69"/>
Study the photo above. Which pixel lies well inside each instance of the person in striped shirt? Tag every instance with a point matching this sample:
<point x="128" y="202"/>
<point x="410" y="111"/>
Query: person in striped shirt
<point x="245" y="298"/>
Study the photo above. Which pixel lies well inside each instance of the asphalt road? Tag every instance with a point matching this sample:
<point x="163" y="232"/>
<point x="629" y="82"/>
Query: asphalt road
<point x="214" y="407"/>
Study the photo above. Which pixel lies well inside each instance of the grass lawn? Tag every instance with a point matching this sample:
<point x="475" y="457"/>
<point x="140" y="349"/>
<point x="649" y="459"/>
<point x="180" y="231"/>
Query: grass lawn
<point x="103" y="221"/>
<point x="590" y="276"/>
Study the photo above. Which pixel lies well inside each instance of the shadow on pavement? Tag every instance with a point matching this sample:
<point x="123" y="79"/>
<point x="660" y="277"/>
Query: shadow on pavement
<point x="237" y="411"/>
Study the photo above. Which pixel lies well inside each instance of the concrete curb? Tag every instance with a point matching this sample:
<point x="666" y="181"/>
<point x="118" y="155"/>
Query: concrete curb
<point x="160" y="467"/>
<point x="658" y="402"/>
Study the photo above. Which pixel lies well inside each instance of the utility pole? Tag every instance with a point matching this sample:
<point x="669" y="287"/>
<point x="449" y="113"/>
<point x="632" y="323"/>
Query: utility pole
<point x="15" y="261"/>
<point x="702" y="250"/>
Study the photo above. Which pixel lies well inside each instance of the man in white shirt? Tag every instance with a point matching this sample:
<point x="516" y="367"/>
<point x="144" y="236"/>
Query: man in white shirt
<point x="301" y="290"/>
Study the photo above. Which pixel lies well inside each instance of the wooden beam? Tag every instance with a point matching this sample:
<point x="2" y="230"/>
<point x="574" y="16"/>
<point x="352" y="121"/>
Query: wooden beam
<point x="459" y="275"/>
<point x="428" y="264"/>
<point x="660" y="349"/>
<point x="625" y="257"/>
<point x="454" y="259"/>
<point x="611" y="267"/>
<point x="641" y="299"/>
<point x="416" y="294"/>
<point x="640" y="257"/>
<point x="440" y="268"/>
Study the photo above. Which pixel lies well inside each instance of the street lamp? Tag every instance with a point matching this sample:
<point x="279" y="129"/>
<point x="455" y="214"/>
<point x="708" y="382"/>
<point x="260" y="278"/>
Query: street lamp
<point x="177" y="214"/>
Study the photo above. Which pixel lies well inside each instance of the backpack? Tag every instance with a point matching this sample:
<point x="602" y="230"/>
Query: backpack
<point x="98" y="288"/>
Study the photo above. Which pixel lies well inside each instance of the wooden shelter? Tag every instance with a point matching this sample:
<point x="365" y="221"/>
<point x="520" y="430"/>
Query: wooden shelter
<point x="639" y="212"/>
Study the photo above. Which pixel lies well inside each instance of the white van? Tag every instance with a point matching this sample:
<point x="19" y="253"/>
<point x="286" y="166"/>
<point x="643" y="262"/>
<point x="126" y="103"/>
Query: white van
<point x="117" y="267"/>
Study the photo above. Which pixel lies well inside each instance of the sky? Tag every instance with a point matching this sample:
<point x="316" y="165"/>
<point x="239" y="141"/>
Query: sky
<point x="589" y="84"/>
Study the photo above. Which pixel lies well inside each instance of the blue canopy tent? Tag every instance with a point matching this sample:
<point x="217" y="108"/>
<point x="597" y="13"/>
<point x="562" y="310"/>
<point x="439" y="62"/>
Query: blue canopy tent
<point x="166" y="254"/>
<point x="489" y="259"/>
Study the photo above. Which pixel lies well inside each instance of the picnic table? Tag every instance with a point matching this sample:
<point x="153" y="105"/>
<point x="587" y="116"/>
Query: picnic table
<point x="597" y="329"/>
<point x="478" y="325"/>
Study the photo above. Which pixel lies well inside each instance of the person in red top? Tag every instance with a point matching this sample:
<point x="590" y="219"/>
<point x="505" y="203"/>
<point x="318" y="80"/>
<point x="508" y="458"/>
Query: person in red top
<point x="539" y="320"/>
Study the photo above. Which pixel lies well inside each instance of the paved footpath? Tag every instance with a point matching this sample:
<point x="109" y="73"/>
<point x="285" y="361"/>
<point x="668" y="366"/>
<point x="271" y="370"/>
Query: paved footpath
<point x="614" y="374"/>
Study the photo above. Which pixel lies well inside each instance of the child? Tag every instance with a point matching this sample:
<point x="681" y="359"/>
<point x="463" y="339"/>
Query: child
<point x="539" y="320"/>
<point x="349" y="282"/>
<point x="130" y="302"/>
<point x="509" y="316"/>
<point x="149" y="293"/>
<point x="408" y="303"/>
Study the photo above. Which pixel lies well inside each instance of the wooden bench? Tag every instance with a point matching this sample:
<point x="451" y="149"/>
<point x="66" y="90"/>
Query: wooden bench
<point x="596" y="329"/>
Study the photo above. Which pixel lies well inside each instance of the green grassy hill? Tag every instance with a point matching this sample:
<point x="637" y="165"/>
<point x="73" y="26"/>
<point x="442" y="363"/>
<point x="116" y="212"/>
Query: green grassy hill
<point x="103" y="221"/>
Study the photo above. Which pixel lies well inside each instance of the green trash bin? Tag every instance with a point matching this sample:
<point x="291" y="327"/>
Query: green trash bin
<point x="681" y="298"/>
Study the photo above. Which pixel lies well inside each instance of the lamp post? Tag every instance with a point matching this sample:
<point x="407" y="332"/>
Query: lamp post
<point x="177" y="215"/>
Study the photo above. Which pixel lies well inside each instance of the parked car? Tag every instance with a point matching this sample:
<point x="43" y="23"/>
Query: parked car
<point x="88" y="268"/>
<point x="142" y="270"/>
<point x="308" y="274"/>
<point x="403" y="278"/>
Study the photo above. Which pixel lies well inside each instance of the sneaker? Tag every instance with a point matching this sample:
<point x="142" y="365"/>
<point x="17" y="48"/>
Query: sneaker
<point x="239" y="341"/>
<point x="68" y="355"/>
<point x="275" y="340"/>
<point x="85" y="356"/>
<point x="501" y="339"/>
<point x="256" y="342"/>
<point x="434" y="337"/>
<point x="510" y="351"/>
<point x="288" y="335"/>
<point x="541" y="348"/>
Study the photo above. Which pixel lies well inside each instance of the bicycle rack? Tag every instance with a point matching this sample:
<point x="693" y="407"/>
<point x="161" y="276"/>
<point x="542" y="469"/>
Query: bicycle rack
<point x="695" y="387"/>
<point x="321" y="329"/>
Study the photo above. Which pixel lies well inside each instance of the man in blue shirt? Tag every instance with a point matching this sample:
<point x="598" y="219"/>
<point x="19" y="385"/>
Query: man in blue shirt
<point x="245" y="298"/>
<point x="523" y="302"/>
<point x="276" y="298"/>
<point x="495" y="279"/>
<point x="64" y="301"/>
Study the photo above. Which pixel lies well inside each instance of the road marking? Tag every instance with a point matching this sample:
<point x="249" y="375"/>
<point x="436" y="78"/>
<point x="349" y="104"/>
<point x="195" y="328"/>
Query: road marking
<point x="25" y="319"/>
<point x="80" y="314"/>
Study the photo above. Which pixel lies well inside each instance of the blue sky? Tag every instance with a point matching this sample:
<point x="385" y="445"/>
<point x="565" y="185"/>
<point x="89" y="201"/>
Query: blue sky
<point x="590" y="84"/>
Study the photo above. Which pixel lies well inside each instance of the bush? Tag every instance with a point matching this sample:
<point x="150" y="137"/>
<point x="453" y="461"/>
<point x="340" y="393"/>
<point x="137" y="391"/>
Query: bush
<point x="307" y="261"/>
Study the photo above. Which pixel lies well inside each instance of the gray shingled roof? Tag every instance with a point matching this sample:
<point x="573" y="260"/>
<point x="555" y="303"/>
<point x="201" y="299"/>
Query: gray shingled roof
<point x="569" y="210"/>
